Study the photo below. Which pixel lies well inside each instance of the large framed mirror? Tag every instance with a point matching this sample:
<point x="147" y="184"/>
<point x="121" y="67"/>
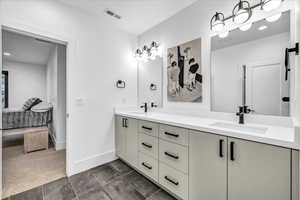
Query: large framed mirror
<point x="250" y="67"/>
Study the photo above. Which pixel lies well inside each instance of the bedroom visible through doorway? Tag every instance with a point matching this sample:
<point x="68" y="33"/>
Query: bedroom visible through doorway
<point x="33" y="112"/>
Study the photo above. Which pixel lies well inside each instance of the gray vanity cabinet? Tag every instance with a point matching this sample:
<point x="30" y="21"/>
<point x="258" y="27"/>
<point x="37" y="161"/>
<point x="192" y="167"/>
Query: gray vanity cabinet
<point x="258" y="171"/>
<point x="207" y="166"/>
<point x="120" y="135"/>
<point x="127" y="139"/>
<point x="221" y="166"/>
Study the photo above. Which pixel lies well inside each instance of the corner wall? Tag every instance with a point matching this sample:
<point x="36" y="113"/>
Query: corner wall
<point x="97" y="56"/>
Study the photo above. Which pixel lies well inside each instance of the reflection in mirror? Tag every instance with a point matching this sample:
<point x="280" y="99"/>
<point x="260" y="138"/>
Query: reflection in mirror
<point x="150" y="81"/>
<point x="261" y="49"/>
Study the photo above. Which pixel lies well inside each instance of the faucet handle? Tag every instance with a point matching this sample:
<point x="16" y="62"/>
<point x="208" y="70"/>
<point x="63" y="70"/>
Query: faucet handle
<point x="153" y="105"/>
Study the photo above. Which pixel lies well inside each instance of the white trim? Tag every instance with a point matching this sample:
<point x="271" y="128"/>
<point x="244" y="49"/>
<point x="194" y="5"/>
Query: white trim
<point x="92" y="162"/>
<point x="60" y="145"/>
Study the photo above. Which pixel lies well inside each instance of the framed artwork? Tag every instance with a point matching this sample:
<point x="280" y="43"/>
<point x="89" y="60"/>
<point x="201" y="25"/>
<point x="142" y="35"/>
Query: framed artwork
<point x="185" y="72"/>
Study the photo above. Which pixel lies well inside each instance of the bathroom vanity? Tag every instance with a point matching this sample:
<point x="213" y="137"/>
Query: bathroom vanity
<point x="199" y="158"/>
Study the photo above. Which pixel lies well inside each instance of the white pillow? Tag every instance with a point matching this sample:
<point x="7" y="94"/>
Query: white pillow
<point x="42" y="107"/>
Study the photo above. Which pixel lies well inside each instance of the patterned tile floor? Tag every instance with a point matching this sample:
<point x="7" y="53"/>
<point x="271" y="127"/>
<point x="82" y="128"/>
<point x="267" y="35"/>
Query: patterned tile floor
<point x="113" y="181"/>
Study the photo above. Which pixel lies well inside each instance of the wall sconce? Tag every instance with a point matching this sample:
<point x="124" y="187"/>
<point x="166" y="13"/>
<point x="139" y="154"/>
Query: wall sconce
<point x="147" y="53"/>
<point x="242" y="12"/>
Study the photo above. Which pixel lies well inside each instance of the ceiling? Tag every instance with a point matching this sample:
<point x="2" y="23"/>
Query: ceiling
<point x="237" y="36"/>
<point x="137" y="15"/>
<point x="25" y="49"/>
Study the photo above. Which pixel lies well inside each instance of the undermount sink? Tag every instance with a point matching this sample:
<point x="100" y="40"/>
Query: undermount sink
<point x="240" y="127"/>
<point x="137" y="112"/>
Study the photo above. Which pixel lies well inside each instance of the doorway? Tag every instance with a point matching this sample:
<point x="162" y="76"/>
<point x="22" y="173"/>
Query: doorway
<point x="33" y="111"/>
<point x="267" y="87"/>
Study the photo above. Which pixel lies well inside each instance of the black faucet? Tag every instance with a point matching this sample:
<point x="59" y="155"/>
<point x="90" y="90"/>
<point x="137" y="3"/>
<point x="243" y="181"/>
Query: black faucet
<point x="242" y="111"/>
<point x="145" y="106"/>
<point x="153" y="105"/>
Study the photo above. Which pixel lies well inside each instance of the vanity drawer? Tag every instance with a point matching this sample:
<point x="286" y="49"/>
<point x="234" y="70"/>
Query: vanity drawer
<point x="149" y="166"/>
<point x="174" y="155"/>
<point x="148" y="128"/>
<point x="148" y="145"/>
<point x="173" y="180"/>
<point x="174" y="134"/>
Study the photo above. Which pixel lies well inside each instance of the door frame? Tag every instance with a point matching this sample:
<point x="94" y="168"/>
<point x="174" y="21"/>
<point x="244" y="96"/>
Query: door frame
<point x="70" y="44"/>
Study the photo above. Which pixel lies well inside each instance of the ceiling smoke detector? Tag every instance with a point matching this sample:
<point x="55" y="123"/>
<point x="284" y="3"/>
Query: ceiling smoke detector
<point x="112" y="14"/>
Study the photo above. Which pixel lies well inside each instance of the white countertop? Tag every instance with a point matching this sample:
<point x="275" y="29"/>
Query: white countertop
<point x="275" y="135"/>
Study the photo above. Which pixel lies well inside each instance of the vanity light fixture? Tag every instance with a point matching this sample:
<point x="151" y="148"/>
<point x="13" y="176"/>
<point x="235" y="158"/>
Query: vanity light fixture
<point x="241" y="12"/>
<point x="263" y="27"/>
<point x="217" y="22"/>
<point x="224" y="34"/>
<point x="7" y="54"/>
<point x="138" y="54"/>
<point x="269" y="5"/>
<point x="245" y="27"/>
<point x="274" y="18"/>
<point x="147" y="53"/>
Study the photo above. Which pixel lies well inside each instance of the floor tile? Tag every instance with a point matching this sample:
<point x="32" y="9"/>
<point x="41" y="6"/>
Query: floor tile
<point x="33" y="194"/>
<point x="161" y="195"/>
<point x="59" y="190"/>
<point x="142" y="184"/>
<point x="84" y="182"/>
<point x="94" y="194"/>
<point x="104" y="174"/>
<point x="119" y="189"/>
<point x="121" y="167"/>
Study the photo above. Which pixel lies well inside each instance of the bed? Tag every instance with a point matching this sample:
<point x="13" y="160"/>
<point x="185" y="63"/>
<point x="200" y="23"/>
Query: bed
<point x="35" y="113"/>
<point x="25" y="119"/>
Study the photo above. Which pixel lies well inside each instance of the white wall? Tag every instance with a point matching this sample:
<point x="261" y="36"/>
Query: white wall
<point x="56" y="94"/>
<point x="98" y="55"/>
<point x="25" y="81"/>
<point x="61" y="97"/>
<point x="226" y="72"/>
<point x="191" y="23"/>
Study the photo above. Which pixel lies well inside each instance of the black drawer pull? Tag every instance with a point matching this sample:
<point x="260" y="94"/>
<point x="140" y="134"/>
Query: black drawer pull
<point x="221" y="148"/>
<point x="171" y="155"/>
<point x="147" y="145"/>
<point x="147" y="166"/>
<point x="171" y="181"/>
<point x="171" y="134"/>
<point x="147" y="128"/>
<point x="232" y="151"/>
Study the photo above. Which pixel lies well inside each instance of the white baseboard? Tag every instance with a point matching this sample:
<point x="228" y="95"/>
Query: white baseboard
<point x="60" y="145"/>
<point x="92" y="162"/>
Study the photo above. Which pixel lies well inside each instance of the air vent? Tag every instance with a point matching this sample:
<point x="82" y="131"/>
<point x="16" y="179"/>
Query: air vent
<point x="112" y="14"/>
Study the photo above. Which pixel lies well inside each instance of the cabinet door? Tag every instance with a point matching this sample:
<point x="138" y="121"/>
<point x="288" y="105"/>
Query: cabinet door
<point x="120" y="137"/>
<point x="258" y="171"/>
<point x="207" y="166"/>
<point x="131" y="141"/>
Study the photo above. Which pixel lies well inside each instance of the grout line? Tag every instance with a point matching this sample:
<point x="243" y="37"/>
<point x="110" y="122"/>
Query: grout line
<point x="159" y="190"/>
<point x="76" y="195"/>
<point x="43" y="191"/>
